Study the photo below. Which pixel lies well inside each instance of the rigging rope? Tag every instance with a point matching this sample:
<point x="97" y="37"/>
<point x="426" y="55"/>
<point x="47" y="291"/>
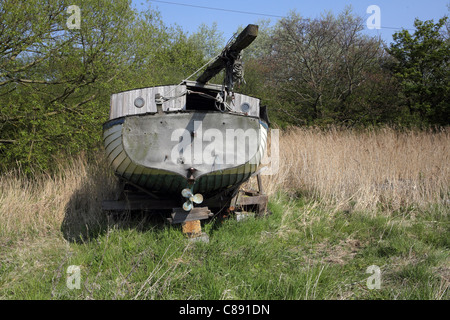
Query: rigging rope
<point x="234" y="73"/>
<point x="198" y="70"/>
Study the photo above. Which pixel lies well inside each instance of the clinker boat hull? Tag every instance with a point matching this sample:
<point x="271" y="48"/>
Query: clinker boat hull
<point x="208" y="152"/>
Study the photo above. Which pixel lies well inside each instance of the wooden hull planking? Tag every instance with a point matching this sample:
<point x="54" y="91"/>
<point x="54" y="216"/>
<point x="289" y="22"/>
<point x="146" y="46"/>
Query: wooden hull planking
<point x="140" y="151"/>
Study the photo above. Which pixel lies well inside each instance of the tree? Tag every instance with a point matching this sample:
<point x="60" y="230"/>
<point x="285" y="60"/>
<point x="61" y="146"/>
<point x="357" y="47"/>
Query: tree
<point x="319" y="64"/>
<point x="422" y="68"/>
<point x="52" y="78"/>
<point x="256" y="70"/>
<point x="208" y="40"/>
<point x="56" y="82"/>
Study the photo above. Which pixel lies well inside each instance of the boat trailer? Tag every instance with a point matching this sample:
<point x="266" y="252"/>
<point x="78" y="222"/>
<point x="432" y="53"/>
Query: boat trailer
<point x="241" y="204"/>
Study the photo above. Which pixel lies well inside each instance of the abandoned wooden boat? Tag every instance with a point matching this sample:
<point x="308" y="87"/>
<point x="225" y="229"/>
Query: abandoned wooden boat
<point x="193" y="140"/>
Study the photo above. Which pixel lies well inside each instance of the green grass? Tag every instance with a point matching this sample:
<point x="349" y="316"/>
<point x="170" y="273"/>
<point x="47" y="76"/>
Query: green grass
<point x="303" y="250"/>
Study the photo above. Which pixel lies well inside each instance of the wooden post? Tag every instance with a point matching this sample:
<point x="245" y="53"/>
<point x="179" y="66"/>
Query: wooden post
<point x="192" y="229"/>
<point x="260" y="186"/>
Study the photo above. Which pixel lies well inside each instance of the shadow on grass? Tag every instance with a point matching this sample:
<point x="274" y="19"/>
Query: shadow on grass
<point x="84" y="218"/>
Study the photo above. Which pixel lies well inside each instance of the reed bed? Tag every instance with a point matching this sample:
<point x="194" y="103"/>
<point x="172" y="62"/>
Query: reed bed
<point x="375" y="170"/>
<point x="385" y="169"/>
<point x="50" y="204"/>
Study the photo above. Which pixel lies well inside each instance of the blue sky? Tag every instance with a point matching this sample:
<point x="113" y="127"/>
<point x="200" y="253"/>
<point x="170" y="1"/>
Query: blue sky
<point x="393" y="13"/>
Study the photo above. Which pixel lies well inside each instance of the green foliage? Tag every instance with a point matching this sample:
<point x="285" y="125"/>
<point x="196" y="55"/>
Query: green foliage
<point x="325" y="71"/>
<point x="302" y="251"/>
<point x="423" y="71"/>
<point x="56" y="82"/>
<point x="208" y="40"/>
<point x="321" y="71"/>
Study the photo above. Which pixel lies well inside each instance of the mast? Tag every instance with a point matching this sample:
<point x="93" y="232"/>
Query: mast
<point x="229" y="59"/>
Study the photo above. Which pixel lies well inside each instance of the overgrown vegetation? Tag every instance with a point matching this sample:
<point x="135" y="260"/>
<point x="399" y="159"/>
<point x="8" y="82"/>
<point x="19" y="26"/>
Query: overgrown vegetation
<point x="327" y="71"/>
<point x="363" y="176"/>
<point x="330" y="221"/>
<point x="56" y="82"/>
<point x="301" y="251"/>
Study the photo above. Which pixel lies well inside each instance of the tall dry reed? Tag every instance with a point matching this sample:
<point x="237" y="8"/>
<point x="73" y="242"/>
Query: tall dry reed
<point x="360" y="170"/>
<point x="365" y="170"/>
<point x="68" y="201"/>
